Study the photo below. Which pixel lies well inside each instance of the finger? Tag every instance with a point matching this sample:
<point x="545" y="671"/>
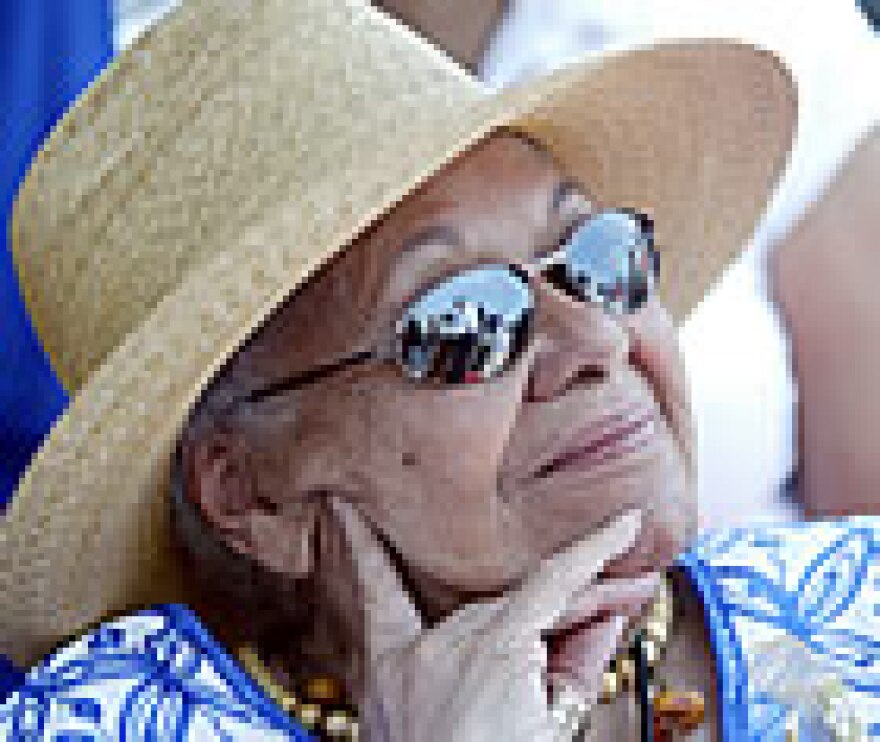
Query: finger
<point x="546" y="594"/>
<point x="579" y="656"/>
<point x="593" y="631"/>
<point x="584" y="660"/>
<point x="392" y="618"/>
<point x="624" y="595"/>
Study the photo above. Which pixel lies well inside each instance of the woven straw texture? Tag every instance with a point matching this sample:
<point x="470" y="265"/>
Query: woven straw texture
<point x="233" y="150"/>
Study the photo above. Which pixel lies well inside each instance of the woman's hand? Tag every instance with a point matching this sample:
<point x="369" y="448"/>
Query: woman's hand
<point x="482" y="673"/>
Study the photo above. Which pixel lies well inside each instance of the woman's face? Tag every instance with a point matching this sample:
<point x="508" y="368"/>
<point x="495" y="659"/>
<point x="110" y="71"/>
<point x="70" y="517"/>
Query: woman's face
<point x="469" y="484"/>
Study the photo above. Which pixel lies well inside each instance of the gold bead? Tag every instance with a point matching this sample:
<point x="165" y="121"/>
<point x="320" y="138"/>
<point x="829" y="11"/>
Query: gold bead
<point x="309" y="714"/>
<point x="323" y="690"/>
<point x="609" y="685"/>
<point x="288" y="703"/>
<point x="626" y="671"/>
<point x="686" y="709"/>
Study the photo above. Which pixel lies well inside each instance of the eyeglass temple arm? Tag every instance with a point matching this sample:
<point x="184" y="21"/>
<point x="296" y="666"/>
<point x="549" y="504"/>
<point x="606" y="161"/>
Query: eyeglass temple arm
<point x="295" y="382"/>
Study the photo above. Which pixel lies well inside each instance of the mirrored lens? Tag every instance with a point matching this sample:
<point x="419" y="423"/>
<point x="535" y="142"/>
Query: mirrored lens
<point x="467" y="328"/>
<point x="609" y="259"/>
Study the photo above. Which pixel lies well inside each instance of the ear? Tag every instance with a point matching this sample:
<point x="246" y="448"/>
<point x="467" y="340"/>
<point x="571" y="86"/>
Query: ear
<point x="219" y="480"/>
<point x="222" y="479"/>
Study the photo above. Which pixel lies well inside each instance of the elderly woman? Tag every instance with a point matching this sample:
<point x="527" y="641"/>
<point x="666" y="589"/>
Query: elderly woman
<point x="475" y="378"/>
<point x="377" y="371"/>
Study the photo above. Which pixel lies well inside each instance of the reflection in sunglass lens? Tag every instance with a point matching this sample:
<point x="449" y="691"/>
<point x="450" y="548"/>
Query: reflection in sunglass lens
<point x="609" y="259"/>
<point x="467" y="328"/>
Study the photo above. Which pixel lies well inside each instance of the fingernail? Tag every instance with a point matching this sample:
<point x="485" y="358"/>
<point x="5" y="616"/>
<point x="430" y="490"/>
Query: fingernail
<point x="626" y="595"/>
<point x="625" y="530"/>
<point x="342" y="510"/>
<point x="630" y="522"/>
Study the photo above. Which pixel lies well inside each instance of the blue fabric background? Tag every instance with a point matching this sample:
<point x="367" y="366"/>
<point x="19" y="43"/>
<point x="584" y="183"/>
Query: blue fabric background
<point x="49" y="51"/>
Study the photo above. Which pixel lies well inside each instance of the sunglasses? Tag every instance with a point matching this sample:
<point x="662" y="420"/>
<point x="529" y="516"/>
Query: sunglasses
<point x="473" y="325"/>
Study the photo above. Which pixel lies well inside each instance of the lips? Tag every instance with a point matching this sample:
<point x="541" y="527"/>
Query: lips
<point x="613" y="438"/>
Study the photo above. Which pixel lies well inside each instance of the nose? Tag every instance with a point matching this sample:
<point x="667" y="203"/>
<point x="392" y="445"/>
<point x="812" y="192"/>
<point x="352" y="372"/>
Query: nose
<point x="576" y="342"/>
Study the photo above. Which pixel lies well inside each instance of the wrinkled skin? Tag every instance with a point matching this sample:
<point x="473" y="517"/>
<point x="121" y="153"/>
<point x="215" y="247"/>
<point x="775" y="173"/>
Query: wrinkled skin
<point x="458" y="480"/>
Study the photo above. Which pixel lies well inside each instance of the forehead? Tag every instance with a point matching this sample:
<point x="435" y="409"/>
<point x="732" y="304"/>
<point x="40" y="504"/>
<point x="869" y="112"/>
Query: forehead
<point x="504" y="185"/>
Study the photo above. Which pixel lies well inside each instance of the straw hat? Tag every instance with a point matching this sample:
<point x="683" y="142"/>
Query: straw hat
<point x="236" y="147"/>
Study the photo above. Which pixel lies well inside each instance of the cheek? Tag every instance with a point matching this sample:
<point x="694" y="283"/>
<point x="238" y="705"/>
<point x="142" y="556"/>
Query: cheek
<point x="655" y="352"/>
<point x="656" y="482"/>
<point x="380" y="427"/>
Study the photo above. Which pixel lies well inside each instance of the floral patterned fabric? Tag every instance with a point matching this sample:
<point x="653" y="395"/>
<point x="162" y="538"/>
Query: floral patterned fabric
<point x="792" y="610"/>
<point x="155" y="675"/>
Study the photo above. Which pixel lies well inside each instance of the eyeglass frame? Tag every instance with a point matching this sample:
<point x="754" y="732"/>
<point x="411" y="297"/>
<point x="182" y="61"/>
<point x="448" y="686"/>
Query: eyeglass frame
<point x="387" y="352"/>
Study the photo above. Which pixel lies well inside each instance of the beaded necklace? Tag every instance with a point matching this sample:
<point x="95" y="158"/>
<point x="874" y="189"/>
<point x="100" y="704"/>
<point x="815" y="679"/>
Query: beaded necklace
<point x="318" y="704"/>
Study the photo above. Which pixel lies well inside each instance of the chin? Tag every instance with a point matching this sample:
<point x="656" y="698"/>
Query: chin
<point x="669" y="525"/>
<point x="441" y="587"/>
<point x="466" y="576"/>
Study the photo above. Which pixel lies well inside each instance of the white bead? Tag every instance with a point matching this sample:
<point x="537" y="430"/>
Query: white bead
<point x="658" y="630"/>
<point x="336" y="722"/>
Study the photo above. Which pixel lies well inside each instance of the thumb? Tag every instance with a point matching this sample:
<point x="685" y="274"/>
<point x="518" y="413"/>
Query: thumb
<point x="392" y="619"/>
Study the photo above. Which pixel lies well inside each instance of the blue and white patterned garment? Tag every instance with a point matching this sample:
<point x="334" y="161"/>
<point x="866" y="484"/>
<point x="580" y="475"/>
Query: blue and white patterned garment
<point x="791" y="607"/>
<point x="156" y="675"/>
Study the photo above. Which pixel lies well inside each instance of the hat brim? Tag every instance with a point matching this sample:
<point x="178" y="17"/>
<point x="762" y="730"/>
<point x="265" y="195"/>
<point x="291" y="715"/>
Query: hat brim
<point x="696" y="132"/>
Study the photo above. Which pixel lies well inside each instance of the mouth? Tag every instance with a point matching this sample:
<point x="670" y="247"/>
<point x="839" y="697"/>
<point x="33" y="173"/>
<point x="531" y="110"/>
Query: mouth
<point x="614" y="438"/>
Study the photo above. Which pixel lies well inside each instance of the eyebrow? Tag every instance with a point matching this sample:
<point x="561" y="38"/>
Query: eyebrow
<point x="406" y="259"/>
<point x="434" y="233"/>
<point x="445" y="234"/>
